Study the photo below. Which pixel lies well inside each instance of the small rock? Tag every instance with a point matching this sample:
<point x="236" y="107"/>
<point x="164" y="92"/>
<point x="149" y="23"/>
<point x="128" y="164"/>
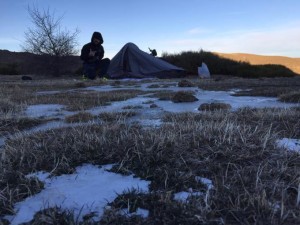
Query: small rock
<point x="214" y="106"/>
<point x="183" y="96"/>
<point x="26" y="78"/>
<point x="185" y="83"/>
<point x="153" y="106"/>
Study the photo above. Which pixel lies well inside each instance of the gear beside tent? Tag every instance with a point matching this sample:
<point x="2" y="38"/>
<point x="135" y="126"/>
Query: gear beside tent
<point x="203" y="71"/>
<point x="132" y="62"/>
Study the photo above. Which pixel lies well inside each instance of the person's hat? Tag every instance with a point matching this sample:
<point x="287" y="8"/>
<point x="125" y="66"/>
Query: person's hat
<point x="98" y="36"/>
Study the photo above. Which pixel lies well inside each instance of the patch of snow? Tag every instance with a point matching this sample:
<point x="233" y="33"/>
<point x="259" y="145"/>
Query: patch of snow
<point x="48" y="92"/>
<point x="203" y="96"/>
<point x="205" y="181"/>
<point x="41" y="175"/>
<point x="118" y="106"/>
<point x="183" y="196"/>
<point x="89" y="189"/>
<point x="139" y="212"/>
<point x="289" y="144"/>
<point x="46" y="110"/>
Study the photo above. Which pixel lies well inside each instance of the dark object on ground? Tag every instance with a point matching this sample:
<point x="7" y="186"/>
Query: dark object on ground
<point x="26" y="78"/>
<point x="183" y="96"/>
<point x="185" y="83"/>
<point x="153" y="106"/>
<point x="97" y="68"/>
<point x="214" y="106"/>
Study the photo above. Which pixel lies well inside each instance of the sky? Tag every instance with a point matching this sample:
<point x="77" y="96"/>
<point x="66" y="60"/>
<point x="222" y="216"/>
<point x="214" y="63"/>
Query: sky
<point x="265" y="27"/>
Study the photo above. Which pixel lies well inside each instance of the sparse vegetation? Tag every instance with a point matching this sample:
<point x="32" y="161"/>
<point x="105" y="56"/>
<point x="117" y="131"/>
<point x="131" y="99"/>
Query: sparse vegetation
<point x="80" y="117"/>
<point x="214" y="106"/>
<point x="254" y="181"/>
<point x="293" y="96"/>
<point x="117" y="116"/>
<point x="14" y="125"/>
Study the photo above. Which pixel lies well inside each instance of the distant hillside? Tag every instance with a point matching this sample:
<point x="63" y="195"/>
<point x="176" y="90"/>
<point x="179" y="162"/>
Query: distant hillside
<point x="28" y="63"/>
<point x="291" y="63"/>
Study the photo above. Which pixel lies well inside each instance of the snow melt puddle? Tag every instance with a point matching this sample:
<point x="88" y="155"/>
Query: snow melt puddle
<point x="184" y="195"/>
<point x="87" y="190"/>
<point x="47" y="110"/>
<point x="203" y="96"/>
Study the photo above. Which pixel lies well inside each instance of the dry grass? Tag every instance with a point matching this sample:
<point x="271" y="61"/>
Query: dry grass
<point x="14" y="125"/>
<point x="80" y="117"/>
<point x="269" y="87"/>
<point x="254" y="181"/>
<point x="116" y="116"/>
<point x="16" y="95"/>
<point x="293" y="96"/>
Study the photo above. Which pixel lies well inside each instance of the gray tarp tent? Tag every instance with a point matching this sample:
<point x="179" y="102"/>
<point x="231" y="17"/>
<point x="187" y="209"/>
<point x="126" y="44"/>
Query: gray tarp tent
<point x="130" y="61"/>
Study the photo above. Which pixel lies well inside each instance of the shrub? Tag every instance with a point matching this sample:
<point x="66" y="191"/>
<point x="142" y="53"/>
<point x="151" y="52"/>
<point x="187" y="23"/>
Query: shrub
<point x="9" y="69"/>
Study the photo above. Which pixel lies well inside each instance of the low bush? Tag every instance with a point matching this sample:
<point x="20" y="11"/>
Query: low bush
<point x="9" y="69"/>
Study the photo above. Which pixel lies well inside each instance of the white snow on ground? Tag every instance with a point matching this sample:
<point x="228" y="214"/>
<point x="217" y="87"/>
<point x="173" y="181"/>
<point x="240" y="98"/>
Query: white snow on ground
<point x="87" y="190"/>
<point x="203" y="96"/>
<point x="289" y="144"/>
<point x="58" y="111"/>
<point x="184" y="196"/>
<point x="139" y="212"/>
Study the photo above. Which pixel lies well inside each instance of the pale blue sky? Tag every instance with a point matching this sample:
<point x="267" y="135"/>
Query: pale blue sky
<point x="266" y="27"/>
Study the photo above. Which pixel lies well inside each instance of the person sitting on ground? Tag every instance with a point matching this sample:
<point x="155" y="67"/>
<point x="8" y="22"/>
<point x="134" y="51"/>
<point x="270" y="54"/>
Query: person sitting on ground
<point x="92" y="55"/>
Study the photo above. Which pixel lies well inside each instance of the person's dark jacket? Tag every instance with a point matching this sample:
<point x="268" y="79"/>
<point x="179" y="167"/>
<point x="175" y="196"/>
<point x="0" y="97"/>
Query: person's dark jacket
<point x="91" y="46"/>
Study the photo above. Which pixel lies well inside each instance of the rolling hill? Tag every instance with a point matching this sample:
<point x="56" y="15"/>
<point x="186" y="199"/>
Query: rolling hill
<point x="291" y="63"/>
<point x="28" y="63"/>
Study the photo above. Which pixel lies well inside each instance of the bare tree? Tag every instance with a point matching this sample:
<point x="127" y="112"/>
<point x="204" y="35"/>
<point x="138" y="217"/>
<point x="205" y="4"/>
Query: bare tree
<point x="46" y="37"/>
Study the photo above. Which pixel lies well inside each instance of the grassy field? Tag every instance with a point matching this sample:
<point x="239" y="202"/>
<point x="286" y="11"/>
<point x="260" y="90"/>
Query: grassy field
<point x="254" y="181"/>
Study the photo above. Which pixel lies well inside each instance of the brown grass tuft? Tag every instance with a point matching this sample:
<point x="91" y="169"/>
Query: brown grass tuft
<point x="80" y="117"/>
<point x="183" y="96"/>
